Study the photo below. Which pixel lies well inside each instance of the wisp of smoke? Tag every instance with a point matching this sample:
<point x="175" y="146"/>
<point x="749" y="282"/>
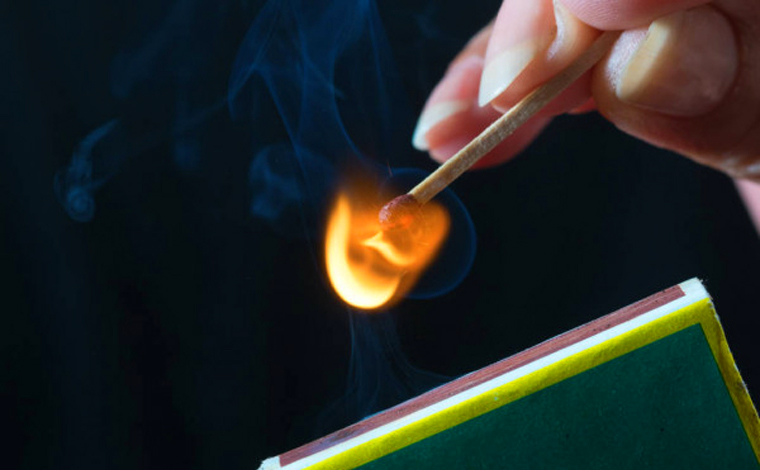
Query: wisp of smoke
<point x="166" y="88"/>
<point x="315" y="86"/>
<point x="326" y="67"/>
<point x="379" y="374"/>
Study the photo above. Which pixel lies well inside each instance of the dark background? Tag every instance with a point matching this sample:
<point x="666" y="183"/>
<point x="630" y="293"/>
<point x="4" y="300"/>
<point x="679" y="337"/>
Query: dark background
<point x="175" y="330"/>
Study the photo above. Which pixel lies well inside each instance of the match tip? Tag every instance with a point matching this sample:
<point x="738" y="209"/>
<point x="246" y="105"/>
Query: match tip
<point x="401" y="212"/>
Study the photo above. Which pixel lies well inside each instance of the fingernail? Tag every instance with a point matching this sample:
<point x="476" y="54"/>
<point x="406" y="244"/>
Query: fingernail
<point x="572" y="36"/>
<point x="431" y="116"/>
<point x="522" y="31"/>
<point x="455" y="93"/>
<point x="684" y="66"/>
<point x="503" y="69"/>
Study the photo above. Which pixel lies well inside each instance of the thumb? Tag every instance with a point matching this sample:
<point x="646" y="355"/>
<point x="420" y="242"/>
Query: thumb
<point x="690" y="82"/>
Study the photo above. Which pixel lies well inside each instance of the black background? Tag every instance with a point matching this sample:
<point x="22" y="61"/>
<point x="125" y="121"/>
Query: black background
<point x="175" y="330"/>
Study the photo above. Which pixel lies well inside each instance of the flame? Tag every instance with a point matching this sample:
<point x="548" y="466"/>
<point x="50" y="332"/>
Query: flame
<point x="368" y="267"/>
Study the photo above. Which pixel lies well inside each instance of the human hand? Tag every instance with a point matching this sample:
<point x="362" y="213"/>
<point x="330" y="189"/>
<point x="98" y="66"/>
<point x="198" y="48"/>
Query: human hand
<point x="684" y="75"/>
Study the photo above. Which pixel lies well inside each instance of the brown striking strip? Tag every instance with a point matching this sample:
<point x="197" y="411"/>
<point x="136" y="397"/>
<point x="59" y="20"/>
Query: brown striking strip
<point x="487" y="373"/>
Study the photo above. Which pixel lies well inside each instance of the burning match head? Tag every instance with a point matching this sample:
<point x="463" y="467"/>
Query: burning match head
<point x="400" y="213"/>
<point x="371" y="267"/>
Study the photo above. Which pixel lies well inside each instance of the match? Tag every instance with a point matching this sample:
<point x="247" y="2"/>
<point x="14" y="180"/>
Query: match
<point x="493" y="135"/>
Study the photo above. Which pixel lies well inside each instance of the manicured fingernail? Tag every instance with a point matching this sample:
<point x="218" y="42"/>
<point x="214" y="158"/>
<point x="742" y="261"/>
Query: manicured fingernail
<point x="431" y="116"/>
<point x="684" y="66"/>
<point x="454" y="94"/>
<point x="503" y="69"/>
<point x="522" y="31"/>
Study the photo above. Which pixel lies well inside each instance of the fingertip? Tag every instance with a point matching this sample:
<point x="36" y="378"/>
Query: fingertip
<point x="618" y="15"/>
<point x="432" y="116"/>
<point x="447" y="137"/>
<point x="578" y="93"/>
<point x="587" y="107"/>
<point x="455" y="92"/>
<point x="514" y="144"/>
<point x="522" y="32"/>
<point x="448" y="145"/>
<point x="475" y="47"/>
<point x="678" y="84"/>
<point x="454" y="95"/>
<point x="750" y="193"/>
<point x="552" y="42"/>
<point x="445" y="150"/>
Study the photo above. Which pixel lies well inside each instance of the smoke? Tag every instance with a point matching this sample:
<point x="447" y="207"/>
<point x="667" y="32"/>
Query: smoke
<point x="76" y="184"/>
<point x="313" y="83"/>
<point x="379" y="374"/>
<point x="325" y="66"/>
<point x="281" y="180"/>
<point x="326" y="69"/>
<point x="164" y="80"/>
<point x="314" y="91"/>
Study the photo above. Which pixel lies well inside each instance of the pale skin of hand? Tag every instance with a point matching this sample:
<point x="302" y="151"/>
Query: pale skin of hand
<point x="684" y="75"/>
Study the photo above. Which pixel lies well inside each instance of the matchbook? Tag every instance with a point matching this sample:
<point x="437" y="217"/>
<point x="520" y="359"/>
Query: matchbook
<point x="652" y="385"/>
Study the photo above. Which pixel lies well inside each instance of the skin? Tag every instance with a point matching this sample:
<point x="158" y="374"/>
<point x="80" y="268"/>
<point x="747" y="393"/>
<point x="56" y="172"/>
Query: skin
<point x="716" y="125"/>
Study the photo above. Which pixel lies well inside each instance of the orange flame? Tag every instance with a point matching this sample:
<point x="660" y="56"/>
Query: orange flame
<point x="368" y="267"/>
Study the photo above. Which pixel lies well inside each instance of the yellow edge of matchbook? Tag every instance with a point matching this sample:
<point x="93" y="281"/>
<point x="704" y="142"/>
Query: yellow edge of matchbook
<point x="700" y="310"/>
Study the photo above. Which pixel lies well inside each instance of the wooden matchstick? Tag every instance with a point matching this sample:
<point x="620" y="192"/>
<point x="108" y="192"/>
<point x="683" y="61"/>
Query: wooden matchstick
<point x="500" y="129"/>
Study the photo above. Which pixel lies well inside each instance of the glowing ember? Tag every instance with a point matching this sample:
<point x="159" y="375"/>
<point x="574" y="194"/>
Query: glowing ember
<point x="369" y="267"/>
